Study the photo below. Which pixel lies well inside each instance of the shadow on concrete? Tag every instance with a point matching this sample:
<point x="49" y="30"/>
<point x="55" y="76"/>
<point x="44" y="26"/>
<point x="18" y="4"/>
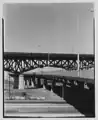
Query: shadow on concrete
<point x="82" y="99"/>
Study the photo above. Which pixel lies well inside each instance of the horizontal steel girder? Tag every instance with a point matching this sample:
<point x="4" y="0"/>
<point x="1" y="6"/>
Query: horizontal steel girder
<point x="44" y="56"/>
<point x="20" y="62"/>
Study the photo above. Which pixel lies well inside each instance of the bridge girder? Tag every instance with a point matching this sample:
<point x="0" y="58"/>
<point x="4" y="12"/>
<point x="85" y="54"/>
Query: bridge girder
<point x="21" y="62"/>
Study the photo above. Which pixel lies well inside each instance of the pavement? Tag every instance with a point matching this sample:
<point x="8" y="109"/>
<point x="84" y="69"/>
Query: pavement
<point x="49" y="96"/>
<point x="41" y="110"/>
<point x="52" y="106"/>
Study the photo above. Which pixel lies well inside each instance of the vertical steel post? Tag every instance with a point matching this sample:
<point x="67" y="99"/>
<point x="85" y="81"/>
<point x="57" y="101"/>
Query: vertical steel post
<point x="48" y="59"/>
<point x="9" y="84"/>
<point x="78" y="53"/>
<point x="63" y="90"/>
<point x="78" y="61"/>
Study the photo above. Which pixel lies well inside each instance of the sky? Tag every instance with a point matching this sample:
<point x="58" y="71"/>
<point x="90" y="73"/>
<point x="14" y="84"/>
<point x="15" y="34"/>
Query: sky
<point x="51" y="27"/>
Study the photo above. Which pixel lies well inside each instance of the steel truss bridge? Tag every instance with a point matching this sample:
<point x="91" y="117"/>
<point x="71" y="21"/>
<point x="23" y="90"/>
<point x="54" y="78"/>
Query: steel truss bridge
<point x="18" y="62"/>
<point x="77" y="91"/>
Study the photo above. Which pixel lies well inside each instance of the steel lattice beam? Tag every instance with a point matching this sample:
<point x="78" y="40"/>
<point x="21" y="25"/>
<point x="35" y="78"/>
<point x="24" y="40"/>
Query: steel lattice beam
<point x="20" y="62"/>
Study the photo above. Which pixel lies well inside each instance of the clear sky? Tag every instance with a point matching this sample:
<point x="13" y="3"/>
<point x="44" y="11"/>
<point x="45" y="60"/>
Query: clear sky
<point x="51" y="27"/>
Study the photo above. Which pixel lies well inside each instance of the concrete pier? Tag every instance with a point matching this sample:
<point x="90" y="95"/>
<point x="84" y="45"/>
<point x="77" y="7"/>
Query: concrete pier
<point x="21" y="82"/>
<point x="53" y="85"/>
<point x="27" y="83"/>
<point x="63" y="89"/>
<point x="38" y="82"/>
<point x="16" y="82"/>
<point x="32" y="83"/>
<point x="45" y="84"/>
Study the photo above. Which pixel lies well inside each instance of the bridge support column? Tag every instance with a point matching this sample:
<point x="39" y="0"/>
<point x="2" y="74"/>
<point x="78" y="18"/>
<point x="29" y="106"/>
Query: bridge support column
<point x="27" y="83"/>
<point x="44" y="87"/>
<point x="51" y="88"/>
<point x="53" y="85"/>
<point x="16" y="82"/>
<point x="38" y="82"/>
<point x="44" y="84"/>
<point x="74" y="85"/>
<point x="81" y="85"/>
<point x="90" y="86"/>
<point x="63" y="89"/>
<point x="21" y="82"/>
<point x="32" y="83"/>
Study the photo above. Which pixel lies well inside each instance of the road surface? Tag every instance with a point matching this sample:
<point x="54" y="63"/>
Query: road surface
<point x="40" y="110"/>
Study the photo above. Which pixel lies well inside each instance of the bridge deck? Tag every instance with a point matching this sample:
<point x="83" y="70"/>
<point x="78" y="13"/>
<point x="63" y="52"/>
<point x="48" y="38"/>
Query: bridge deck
<point x="42" y="56"/>
<point x="85" y="75"/>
